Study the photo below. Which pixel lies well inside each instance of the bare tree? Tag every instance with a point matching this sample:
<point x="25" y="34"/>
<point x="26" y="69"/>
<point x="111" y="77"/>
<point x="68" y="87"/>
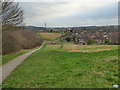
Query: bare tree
<point x="12" y="14"/>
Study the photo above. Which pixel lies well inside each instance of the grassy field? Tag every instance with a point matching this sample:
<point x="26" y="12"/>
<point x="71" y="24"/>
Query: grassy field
<point x="50" y="36"/>
<point x="57" y="66"/>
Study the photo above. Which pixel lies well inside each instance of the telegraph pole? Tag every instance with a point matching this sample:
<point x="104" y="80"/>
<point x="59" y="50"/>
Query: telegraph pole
<point x="45" y="26"/>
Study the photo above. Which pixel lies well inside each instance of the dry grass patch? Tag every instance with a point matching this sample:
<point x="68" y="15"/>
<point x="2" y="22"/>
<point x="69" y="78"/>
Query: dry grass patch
<point x="91" y="50"/>
<point x="71" y="46"/>
<point x="88" y="48"/>
<point x="53" y="46"/>
<point x="50" y="36"/>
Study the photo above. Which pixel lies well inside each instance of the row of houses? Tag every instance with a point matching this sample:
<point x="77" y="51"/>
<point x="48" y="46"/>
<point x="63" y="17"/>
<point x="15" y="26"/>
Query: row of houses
<point x="96" y="35"/>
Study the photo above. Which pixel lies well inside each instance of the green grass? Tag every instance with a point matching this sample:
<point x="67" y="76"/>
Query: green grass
<point x="6" y="58"/>
<point x="55" y="67"/>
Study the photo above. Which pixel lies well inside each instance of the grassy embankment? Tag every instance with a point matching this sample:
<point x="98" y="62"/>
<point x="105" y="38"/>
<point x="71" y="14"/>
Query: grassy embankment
<point x="67" y="66"/>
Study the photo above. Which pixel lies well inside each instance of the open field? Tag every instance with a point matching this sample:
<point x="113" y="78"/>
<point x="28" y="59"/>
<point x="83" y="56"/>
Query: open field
<point x="55" y="66"/>
<point x="50" y="36"/>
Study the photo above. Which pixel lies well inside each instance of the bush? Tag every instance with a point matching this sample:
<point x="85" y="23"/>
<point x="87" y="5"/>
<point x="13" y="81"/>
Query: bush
<point x="67" y="39"/>
<point x="107" y="42"/>
<point x="90" y="41"/>
<point x="10" y="43"/>
<point x="74" y="38"/>
<point x="15" y="40"/>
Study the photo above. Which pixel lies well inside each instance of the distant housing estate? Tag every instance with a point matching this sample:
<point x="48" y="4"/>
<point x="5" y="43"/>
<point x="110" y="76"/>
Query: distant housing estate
<point x="98" y="34"/>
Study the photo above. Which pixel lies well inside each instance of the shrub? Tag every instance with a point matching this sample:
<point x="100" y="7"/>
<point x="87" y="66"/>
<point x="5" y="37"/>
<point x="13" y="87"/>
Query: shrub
<point x="74" y="38"/>
<point x="67" y="39"/>
<point x="15" y="40"/>
<point x="107" y="42"/>
<point x="90" y="41"/>
<point x="10" y="43"/>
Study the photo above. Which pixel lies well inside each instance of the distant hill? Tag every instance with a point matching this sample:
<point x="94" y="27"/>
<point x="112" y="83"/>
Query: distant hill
<point x="38" y="29"/>
<point x="43" y="29"/>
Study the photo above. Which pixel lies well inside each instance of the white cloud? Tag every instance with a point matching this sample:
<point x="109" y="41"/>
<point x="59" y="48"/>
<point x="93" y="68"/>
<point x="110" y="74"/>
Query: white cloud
<point x="38" y="13"/>
<point x="46" y="11"/>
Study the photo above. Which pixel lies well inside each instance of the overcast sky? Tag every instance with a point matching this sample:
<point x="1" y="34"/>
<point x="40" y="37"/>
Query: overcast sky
<point x="71" y="13"/>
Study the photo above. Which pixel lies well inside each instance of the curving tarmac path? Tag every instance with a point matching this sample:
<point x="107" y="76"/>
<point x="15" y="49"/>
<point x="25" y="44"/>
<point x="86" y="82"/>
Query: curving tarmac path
<point x="7" y="68"/>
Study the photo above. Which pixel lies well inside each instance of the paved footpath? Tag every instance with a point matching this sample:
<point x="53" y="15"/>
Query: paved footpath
<point x="7" y="68"/>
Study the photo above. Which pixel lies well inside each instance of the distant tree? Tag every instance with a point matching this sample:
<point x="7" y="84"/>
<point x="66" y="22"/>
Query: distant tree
<point x="12" y="14"/>
<point x="83" y="43"/>
<point x="90" y="41"/>
<point x="67" y="39"/>
<point x="71" y="30"/>
<point x="51" y="30"/>
<point x="74" y="38"/>
<point x="107" y="41"/>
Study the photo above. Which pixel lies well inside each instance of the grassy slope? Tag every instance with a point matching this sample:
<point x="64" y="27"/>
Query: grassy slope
<point x="53" y="67"/>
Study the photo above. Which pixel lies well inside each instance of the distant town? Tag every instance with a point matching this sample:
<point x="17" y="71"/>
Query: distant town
<point x="84" y="35"/>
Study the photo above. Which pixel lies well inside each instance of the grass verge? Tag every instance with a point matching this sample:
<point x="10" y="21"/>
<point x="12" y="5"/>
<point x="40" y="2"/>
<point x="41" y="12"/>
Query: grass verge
<point x="6" y="58"/>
